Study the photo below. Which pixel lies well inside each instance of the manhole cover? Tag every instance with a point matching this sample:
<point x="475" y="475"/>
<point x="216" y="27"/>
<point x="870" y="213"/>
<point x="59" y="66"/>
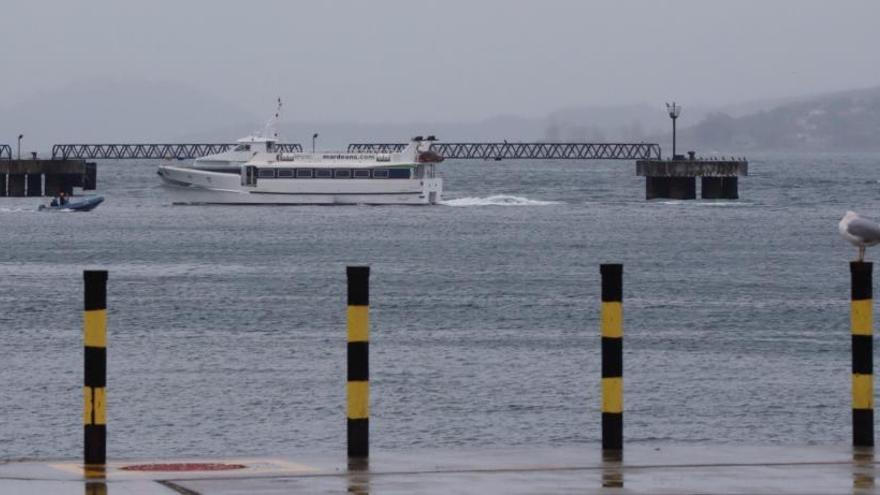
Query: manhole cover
<point x="184" y="466"/>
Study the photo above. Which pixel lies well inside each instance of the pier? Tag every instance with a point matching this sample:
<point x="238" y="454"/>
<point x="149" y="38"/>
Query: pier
<point x="672" y="179"/>
<point x="36" y="177"/>
<point x="677" y="178"/>
<point x="646" y="469"/>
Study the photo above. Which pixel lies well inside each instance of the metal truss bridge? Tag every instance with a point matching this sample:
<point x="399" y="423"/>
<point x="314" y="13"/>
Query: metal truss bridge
<point x="146" y="151"/>
<point x="5" y="149"/>
<point x="456" y="151"/>
<point x="526" y="151"/>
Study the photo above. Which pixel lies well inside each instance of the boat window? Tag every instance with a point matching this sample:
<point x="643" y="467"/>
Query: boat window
<point x="398" y="173"/>
<point x="380" y="173"/>
<point x="343" y="173"/>
<point x="242" y="147"/>
<point x="304" y="172"/>
<point x="285" y="172"/>
<point x="324" y="173"/>
<point x="362" y="174"/>
<point x="266" y="173"/>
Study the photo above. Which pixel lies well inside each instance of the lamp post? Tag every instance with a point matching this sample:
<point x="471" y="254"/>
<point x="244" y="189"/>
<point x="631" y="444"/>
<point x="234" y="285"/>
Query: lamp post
<point x="674" y="110"/>
<point x="314" y="137"/>
<point x="20" y="136"/>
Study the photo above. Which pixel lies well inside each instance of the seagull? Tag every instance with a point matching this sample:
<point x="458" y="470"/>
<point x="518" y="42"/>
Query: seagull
<point x="859" y="231"/>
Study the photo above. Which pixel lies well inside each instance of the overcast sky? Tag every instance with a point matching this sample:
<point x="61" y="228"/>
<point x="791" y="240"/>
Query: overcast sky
<point x="444" y="60"/>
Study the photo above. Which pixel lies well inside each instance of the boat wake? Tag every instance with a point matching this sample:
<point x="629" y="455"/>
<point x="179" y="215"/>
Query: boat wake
<point x="498" y="200"/>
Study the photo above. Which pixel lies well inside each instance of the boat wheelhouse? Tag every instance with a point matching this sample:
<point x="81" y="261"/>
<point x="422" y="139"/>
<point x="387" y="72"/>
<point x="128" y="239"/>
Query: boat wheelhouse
<point x="245" y="148"/>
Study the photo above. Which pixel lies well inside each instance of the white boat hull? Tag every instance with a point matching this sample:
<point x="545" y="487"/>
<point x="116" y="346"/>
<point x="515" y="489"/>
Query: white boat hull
<point x="192" y="186"/>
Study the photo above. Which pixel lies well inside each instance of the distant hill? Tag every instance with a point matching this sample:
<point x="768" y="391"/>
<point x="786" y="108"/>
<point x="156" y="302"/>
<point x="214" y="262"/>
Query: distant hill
<point x="842" y="121"/>
<point x="606" y="123"/>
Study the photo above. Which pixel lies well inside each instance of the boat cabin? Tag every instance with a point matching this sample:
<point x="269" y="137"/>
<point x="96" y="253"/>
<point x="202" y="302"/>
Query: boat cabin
<point x="256" y="144"/>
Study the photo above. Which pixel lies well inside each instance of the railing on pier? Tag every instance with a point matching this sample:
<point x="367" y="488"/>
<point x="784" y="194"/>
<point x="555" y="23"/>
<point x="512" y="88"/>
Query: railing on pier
<point x="6" y="150"/>
<point x="149" y="151"/>
<point x="526" y="151"/>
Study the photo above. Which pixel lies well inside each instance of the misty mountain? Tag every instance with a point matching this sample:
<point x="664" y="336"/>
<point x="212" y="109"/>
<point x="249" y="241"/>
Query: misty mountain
<point x="641" y="122"/>
<point x="841" y="121"/>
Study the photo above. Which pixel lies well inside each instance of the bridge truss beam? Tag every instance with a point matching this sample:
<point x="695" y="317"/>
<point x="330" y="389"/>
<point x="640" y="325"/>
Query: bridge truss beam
<point x="149" y="151"/>
<point x="526" y="151"/>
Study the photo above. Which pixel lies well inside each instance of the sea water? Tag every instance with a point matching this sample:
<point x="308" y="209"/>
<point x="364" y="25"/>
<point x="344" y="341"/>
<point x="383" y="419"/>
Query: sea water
<point x="227" y="323"/>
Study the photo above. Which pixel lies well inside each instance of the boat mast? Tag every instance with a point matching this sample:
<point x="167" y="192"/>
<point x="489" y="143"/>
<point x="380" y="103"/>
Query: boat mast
<point x="272" y="126"/>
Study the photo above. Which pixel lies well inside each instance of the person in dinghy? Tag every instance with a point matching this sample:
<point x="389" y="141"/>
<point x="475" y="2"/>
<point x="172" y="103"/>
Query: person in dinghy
<point x="63" y="202"/>
<point x="60" y="201"/>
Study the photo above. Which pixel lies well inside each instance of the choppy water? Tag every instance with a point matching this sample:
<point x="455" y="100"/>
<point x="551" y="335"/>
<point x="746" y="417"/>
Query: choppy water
<point x="227" y="324"/>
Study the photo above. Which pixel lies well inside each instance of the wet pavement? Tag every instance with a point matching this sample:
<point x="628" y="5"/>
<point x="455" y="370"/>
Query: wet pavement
<point x="643" y="469"/>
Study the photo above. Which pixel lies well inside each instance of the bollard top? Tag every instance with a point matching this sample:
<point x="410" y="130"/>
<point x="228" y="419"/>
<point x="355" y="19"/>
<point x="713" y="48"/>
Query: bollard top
<point x="861" y="283"/>
<point x="358" y="285"/>
<point x="612" y="282"/>
<point x="860" y="266"/>
<point x="95" y="275"/>
<point x="611" y="269"/>
<point x="95" y="290"/>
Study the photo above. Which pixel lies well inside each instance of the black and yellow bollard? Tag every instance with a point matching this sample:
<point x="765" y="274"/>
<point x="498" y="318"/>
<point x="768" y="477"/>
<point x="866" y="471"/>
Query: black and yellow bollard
<point x="612" y="356"/>
<point x="862" y="324"/>
<point x="358" y="386"/>
<point x="95" y="381"/>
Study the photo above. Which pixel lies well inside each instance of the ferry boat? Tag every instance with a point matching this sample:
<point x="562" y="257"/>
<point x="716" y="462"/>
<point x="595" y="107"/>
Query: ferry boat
<point x="271" y="176"/>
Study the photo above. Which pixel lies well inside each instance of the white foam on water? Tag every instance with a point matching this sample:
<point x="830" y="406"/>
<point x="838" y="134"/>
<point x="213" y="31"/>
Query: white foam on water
<point x="498" y="200"/>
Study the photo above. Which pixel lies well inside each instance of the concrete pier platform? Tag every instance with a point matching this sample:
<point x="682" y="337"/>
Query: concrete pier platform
<point x="642" y="469"/>
<point x="45" y="177"/>
<point x="677" y="179"/>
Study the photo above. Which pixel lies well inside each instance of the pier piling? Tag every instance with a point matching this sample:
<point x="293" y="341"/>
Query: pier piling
<point x="95" y="358"/>
<point x="16" y="184"/>
<point x="612" y="356"/>
<point x="34" y="184"/>
<point x="862" y="324"/>
<point x="358" y="386"/>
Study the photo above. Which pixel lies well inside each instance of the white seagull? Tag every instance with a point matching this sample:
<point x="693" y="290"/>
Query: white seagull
<point x="859" y="231"/>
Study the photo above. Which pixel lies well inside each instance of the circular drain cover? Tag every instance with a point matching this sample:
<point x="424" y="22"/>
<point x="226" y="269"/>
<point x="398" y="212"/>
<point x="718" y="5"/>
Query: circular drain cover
<point x="184" y="466"/>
